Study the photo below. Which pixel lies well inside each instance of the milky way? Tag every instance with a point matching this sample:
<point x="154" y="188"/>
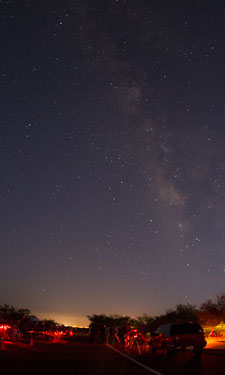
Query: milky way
<point x="112" y="155"/>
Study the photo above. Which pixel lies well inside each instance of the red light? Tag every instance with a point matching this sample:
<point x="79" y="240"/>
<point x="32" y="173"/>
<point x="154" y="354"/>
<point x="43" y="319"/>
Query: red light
<point x="4" y="327"/>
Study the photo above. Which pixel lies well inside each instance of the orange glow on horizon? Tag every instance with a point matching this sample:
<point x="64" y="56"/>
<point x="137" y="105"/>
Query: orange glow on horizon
<point x="65" y="319"/>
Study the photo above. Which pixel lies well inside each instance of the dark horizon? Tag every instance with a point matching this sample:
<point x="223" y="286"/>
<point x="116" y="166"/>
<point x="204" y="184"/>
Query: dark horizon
<point x="212" y="310"/>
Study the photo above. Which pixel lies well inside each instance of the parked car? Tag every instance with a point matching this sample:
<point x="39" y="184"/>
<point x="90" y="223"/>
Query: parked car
<point x="178" y="337"/>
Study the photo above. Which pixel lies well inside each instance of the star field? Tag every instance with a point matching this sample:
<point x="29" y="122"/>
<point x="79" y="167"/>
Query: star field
<point x="112" y="162"/>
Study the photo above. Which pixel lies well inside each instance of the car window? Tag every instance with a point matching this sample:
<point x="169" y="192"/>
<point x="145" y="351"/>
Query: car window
<point x="185" y="329"/>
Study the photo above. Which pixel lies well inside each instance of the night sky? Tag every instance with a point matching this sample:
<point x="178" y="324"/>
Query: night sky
<point x="112" y="155"/>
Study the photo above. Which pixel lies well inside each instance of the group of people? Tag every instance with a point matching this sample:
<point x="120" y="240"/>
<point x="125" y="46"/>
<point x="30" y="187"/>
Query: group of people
<point x="128" y="338"/>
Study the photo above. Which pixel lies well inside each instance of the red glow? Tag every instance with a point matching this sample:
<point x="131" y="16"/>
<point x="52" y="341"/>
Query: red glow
<point x="4" y="327"/>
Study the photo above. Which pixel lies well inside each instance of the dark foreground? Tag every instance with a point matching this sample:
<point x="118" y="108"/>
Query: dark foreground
<point x="84" y="358"/>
